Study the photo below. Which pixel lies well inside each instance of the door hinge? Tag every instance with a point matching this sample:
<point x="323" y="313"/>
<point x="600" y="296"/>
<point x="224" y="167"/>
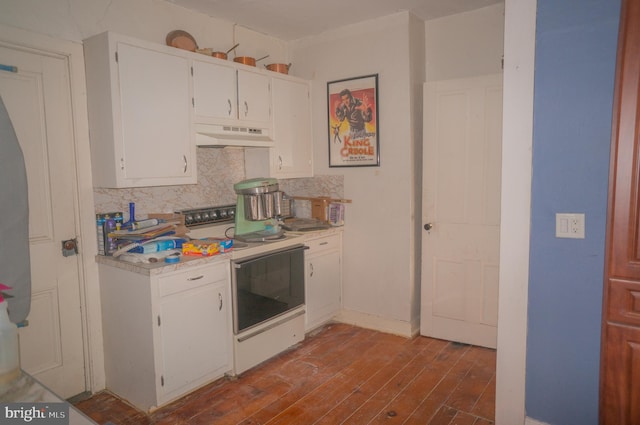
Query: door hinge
<point x="158" y="320"/>
<point x="116" y="56"/>
<point x="162" y="380"/>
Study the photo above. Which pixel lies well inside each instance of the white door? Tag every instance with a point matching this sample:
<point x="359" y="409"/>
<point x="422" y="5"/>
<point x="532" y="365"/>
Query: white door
<point x="461" y="203"/>
<point x="37" y="98"/>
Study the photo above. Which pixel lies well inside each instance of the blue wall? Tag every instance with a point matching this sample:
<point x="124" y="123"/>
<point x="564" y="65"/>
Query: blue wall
<point x="576" y="44"/>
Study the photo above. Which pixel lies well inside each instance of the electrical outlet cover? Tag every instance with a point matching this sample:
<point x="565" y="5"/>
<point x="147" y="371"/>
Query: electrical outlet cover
<point x="570" y="225"/>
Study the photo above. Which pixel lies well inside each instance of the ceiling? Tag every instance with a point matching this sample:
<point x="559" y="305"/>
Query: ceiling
<point x="293" y="19"/>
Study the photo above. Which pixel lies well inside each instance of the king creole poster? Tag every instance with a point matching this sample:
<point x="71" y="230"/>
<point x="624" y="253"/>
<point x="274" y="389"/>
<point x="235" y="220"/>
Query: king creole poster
<point x="353" y="122"/>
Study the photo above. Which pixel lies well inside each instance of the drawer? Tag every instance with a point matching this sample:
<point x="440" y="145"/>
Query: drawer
<point x="193" y="278"/>
<point x="324" y="243"/>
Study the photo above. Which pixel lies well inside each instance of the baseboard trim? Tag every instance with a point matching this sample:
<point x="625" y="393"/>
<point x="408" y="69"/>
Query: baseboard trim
<point x="369" y="321"/>
<point x="531" y="421"/>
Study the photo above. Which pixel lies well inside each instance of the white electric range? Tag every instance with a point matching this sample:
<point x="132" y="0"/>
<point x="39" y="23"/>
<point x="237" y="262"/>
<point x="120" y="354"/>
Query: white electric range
<point x="267" y="287"/>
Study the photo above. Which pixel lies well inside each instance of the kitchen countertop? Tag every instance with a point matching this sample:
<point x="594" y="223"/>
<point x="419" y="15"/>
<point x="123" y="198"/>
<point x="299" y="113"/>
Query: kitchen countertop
<point x="26" y="389"/>
<point x="186" y="261"/>
<point x="150" y="269"/>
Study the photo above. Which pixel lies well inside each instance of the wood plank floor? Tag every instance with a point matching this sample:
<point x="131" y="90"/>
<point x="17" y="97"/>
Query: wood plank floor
<point x="340" y="374"/>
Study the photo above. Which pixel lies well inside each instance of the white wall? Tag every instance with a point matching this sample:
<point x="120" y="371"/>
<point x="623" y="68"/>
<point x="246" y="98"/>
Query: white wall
<point x="379" y="281"/>
<point x="150" y="20"/>
<point x="517" y="141"/>
<point x="465" y="45"/>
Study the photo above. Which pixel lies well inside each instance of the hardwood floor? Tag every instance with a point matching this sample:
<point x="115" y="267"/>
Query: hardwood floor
<point x="340" y="374"/>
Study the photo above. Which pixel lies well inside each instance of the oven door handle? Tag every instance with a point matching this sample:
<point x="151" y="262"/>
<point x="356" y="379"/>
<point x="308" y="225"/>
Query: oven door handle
<point x="242" y="261"/>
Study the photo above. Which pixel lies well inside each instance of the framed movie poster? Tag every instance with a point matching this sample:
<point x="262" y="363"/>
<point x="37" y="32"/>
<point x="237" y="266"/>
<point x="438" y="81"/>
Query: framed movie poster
<point x="353" y="122"/>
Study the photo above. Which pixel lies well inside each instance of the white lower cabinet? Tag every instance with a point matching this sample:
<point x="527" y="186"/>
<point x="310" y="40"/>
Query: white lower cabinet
<point x="323" y="284"/>
<point x="166" y="334"/>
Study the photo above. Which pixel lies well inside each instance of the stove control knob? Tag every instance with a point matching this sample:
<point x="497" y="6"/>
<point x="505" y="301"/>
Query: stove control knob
<point x="223" y="213"/>
<point x="197" y="217"/>
<point x="214" y="215"/>
<point x="188" y="219"/>
<point x="205" y="216"/>
<point x="232" y="212"/>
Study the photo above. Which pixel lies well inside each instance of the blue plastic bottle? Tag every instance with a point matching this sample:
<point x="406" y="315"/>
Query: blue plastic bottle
<point x="157" y="246"/>
<point x="132" y="216"/>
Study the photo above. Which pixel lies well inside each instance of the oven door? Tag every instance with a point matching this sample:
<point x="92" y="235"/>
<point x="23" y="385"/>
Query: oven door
<point x="267" y="286"/>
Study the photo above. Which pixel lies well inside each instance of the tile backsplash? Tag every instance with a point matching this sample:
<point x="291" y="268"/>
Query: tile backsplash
<point x="218" y="170"/>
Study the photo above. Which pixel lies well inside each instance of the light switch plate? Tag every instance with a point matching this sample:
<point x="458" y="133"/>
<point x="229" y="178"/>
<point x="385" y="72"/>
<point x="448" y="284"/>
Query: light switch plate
<point x="569" y="225"/>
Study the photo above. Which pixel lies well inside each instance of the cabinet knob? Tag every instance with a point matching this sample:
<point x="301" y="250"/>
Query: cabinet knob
<point x="428" y="226"/>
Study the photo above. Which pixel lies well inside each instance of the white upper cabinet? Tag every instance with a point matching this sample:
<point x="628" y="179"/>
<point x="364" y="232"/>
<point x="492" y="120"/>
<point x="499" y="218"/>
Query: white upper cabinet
<point x="292" y="153"/>
<point x="214" y="91"/>
<point x="224" y="94"/>
<point x="150" y="106"/>
<point x="254" y="97"/>
<point x="139" y="105"/>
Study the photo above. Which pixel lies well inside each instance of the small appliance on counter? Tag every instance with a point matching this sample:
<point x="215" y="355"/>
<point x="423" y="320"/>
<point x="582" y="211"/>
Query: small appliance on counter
<point x="258" y="208"/>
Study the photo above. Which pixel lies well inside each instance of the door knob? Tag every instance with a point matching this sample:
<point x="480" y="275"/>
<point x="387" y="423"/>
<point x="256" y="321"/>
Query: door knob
<point x="69" y="247"/>
<point x="428" y="226"/>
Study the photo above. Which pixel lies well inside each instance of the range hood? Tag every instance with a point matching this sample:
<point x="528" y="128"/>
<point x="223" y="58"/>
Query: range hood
<point x="216" y="135"/>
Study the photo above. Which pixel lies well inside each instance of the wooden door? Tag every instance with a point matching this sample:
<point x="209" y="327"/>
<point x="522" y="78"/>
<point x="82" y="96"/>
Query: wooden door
<point x="37" y="98"/>
<point x="620" y="357"/>
<point x="461" y="203"/>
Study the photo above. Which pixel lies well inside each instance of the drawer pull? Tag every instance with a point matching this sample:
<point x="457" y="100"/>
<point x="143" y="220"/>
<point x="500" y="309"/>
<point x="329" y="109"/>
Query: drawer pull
<point x="324" y="243"/>
<point x="196" y="278"/>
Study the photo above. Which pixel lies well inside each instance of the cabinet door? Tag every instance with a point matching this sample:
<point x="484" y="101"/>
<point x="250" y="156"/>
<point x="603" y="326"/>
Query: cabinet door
<point x="254" y="97"/>
<point x="157" y="141"/>
<point x="195" y="336"/>
<point x="323" y="287"/>
<point x="292" y="153"/>
<point x="214" y="91"/>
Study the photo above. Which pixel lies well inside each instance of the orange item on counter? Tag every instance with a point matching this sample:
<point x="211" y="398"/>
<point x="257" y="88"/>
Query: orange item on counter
<point x="200" y="248"/>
